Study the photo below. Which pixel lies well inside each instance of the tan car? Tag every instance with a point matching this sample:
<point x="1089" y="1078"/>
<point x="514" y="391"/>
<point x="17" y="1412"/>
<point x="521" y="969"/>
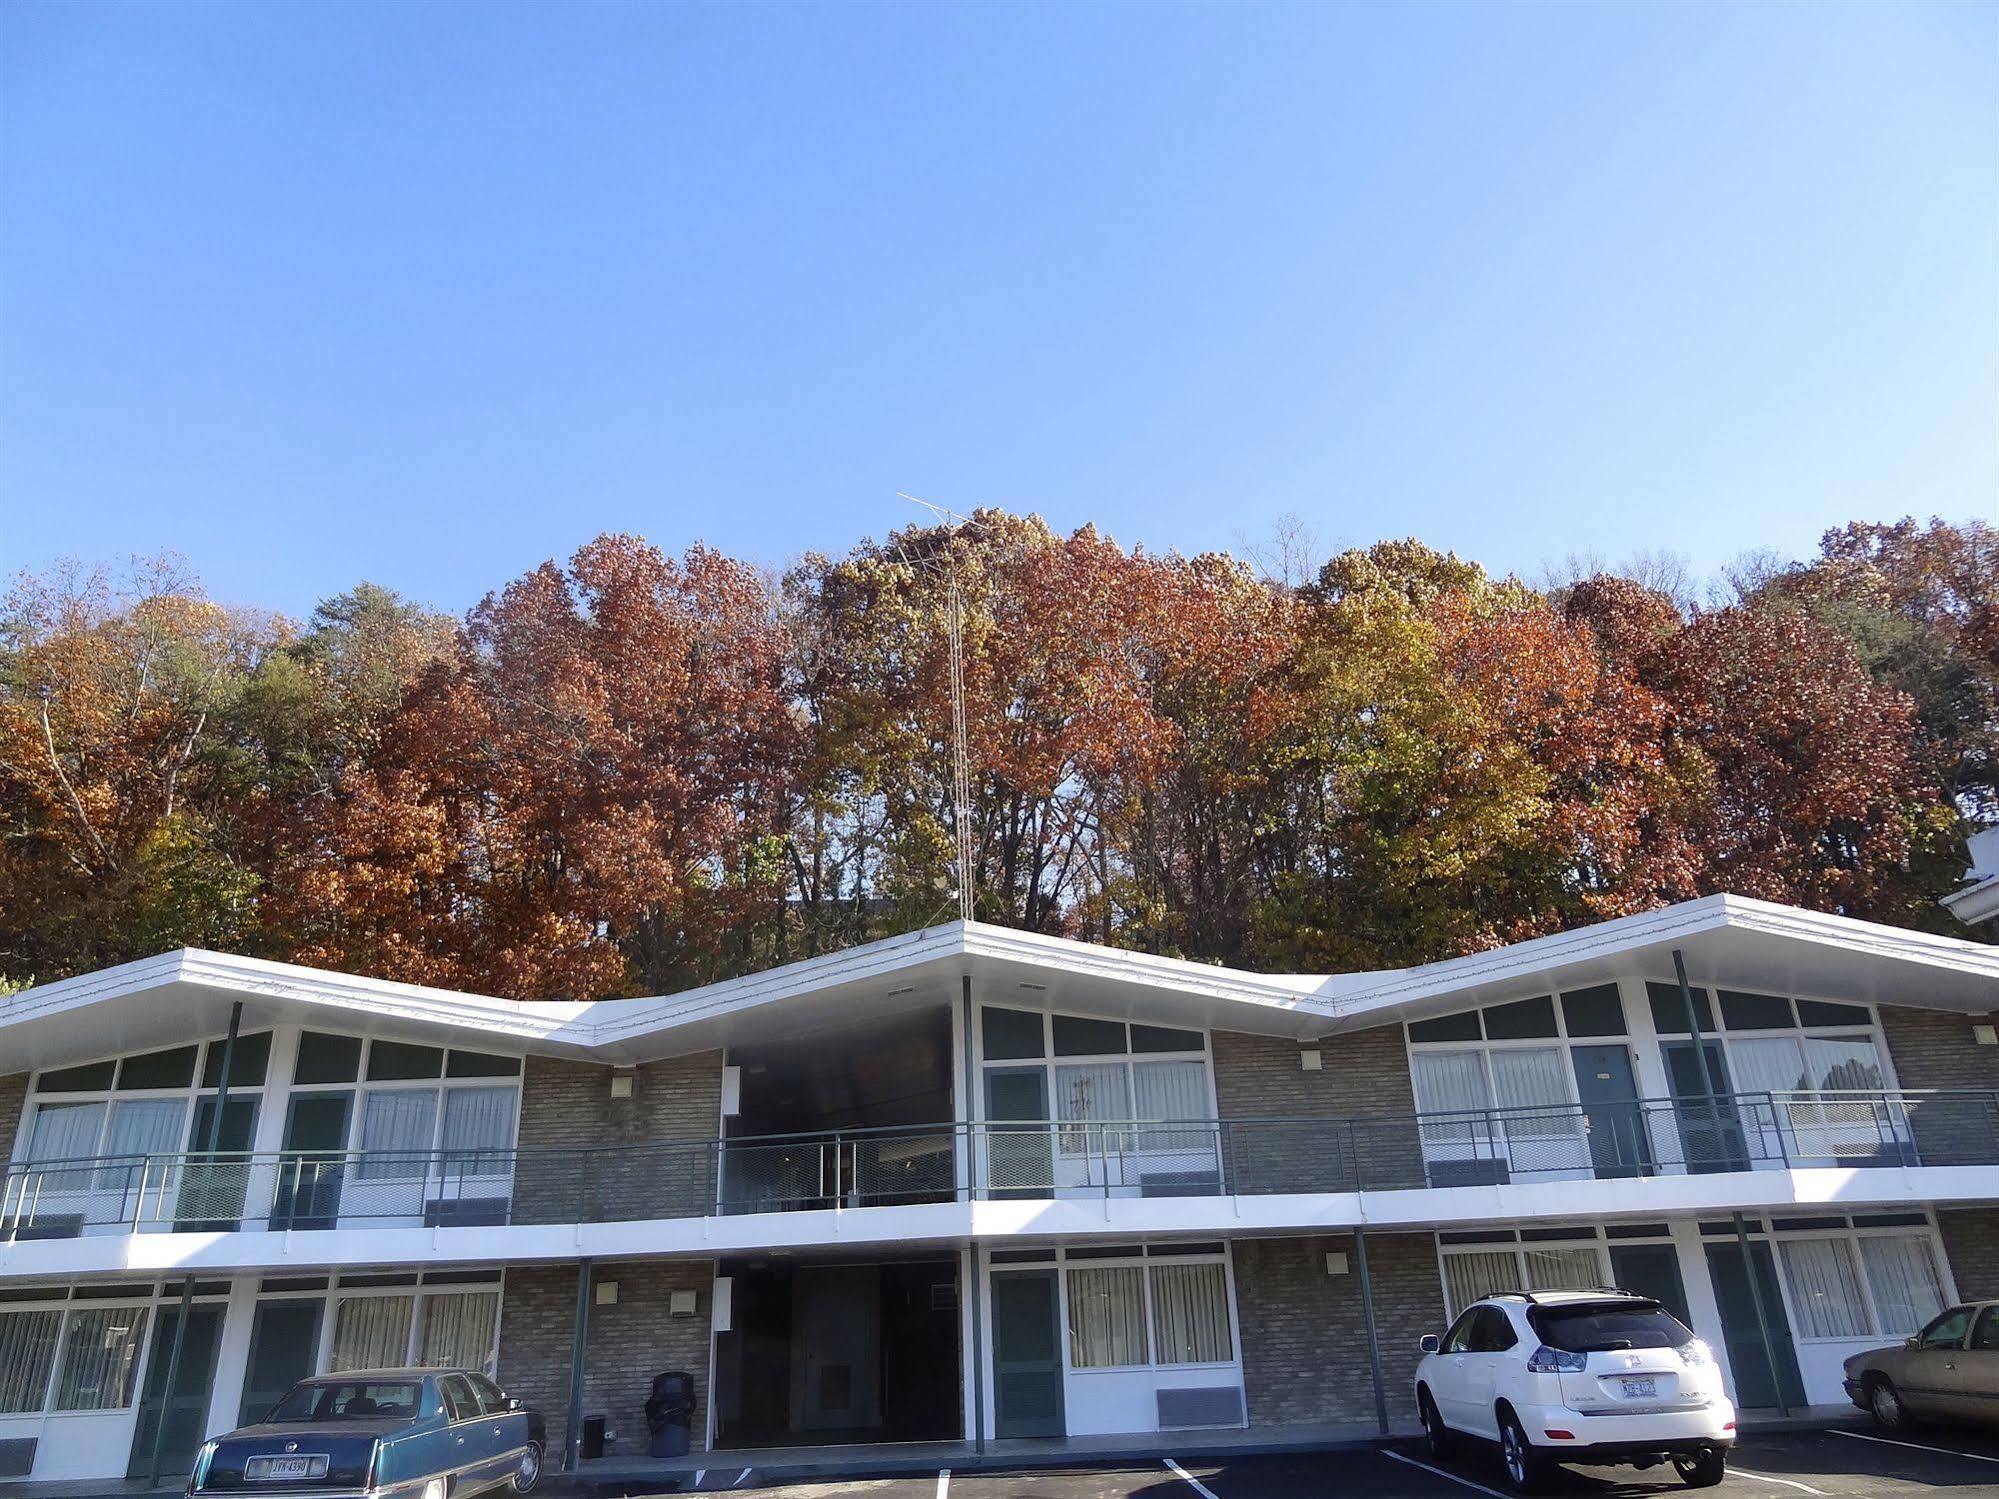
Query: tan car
<point x="1947" y="1372"/>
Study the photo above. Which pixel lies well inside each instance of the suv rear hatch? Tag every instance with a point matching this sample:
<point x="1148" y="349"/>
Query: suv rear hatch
<point x="1631" y="1355"/>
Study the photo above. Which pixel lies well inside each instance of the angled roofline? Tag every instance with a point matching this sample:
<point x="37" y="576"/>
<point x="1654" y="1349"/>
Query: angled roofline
<point x="1305" y="1004"/>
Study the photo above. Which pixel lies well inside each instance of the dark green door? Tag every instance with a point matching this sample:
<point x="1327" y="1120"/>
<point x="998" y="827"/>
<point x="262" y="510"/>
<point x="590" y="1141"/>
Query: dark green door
<point x="284" y="1340"/>
<point x="1710" y="1133"/>
<point x="1027" y="1354"/>
<point x="308" y="1186"/>
<point x="1020" y="1162"/>
<point x="1609" y="1096"/>
<point x="1651" y="1270"/>
<point x="212" y="1186"/>
<point x="1740" y="1335"/>
<point x="187" y="1411"/>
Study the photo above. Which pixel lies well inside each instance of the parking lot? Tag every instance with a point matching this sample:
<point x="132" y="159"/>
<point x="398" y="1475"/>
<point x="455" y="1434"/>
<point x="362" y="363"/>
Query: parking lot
<point x="1835" y="1464"/>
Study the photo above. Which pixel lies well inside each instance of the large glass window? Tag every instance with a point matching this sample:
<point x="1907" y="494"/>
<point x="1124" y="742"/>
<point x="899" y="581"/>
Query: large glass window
<point x="1475" y="1271"/>
<point x="1902" y="1276"/>
<point x="27" y="1355"/>
<point x="1825" y="1288"/>
<point x="1190" y="1314"/>
<point x="100" y="1358"/>
<point x="371" y="1332"/>
<point x="398" y="1127"/>
<point x="458" y="1330"/>
<point x="1106" y="1316"/>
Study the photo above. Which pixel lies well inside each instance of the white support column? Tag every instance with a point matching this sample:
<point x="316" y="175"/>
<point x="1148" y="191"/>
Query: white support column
<point x="232" y="1355"/>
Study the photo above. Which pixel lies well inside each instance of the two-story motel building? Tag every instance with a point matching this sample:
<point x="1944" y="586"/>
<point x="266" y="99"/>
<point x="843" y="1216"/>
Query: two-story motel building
<point x="970" y="1185"/>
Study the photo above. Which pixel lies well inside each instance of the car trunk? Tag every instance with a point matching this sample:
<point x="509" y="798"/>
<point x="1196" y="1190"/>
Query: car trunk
<point x="1629" y="1379"/>
<point x="268" y="1457"/>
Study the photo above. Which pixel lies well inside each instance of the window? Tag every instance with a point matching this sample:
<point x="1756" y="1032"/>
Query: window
<point x="1825" y="1288"/>
<point x="458" y="1330"/>
<point x="1902" y="1277"/>
<point x="1948" y="1330"/>
<point x="100" y="1358"/>
<point x="343" y="1400"/>
<point x="491" y="1400"/>
<point x="459" y="1403"/>
<point x="1106" y="1316"/>
<point x="1985" y="1338"/>
<point x="371" y="1332"/>
<point x="397" y="1128"/>
<point x="1470" y="1274"/>
<point x="27" y="1355"/>
<point x="1480" y="1272"/>
<point x="1563" y="1269"/>
<point x="1459" y="1338"/>
<point x="1589" y="1329"/>
<point x="1190" y="1314"/>
<point x="1491" y="1331"/>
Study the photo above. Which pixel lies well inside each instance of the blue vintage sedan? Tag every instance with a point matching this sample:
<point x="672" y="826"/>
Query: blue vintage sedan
<point x="380" y="1434"/>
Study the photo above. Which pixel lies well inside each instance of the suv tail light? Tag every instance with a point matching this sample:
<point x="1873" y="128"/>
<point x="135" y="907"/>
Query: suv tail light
<point x="1546" y="1360"/>
<point x="1695" y="1355"/>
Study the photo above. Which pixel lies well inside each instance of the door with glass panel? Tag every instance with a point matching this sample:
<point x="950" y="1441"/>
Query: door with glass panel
<point x="1710" y="1126"/>
<point x="1607" y="1091"/>
<point x="284" y="1345"/>
<point x="214" y="1185"/>
<point x="1027" y="1354"/>
<point x="185" y="1410"/>
<point x="315" y="1160"/>
<point x="1019" y="1159"/>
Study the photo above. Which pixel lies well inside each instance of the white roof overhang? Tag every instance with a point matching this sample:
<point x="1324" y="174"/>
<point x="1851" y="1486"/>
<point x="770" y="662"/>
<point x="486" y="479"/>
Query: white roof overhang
<point x="1725" y="940"/>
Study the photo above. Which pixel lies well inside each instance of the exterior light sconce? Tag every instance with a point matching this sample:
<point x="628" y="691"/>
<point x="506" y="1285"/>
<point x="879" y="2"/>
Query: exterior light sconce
<point x="1310" y="1060"/>
<point x="607" y="1293"/>
<point x="1336" y="1262"/>
<point x="621" y="1084"/>
<point x="1985" y="1035"/>
<point x="680" y="1303"/>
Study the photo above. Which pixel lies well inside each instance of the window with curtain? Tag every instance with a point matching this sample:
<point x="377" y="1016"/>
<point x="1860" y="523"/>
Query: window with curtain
<point x="27" y="1355"/>
<point x="1479" y="1272"/>
<point x="1902" y="1275"/>
<point x="397" y="1127"/>
<point x="478" y="1130"/>
<point x="141" y="1127"/>
<point x="100" y="1358"/>
<point x="371" y="1332"/>
<point x="1774" y="1064"/>
<point x="1091" y="1093"/>
<point x="1171" y="1090"/>
<point x="1106" y="1316"/>
<point x="1190" y="1314"/>
<point x="1446" y="1082"/>
<point x="1843" y="1063"/>
<point x="65" y="1132"/>
<point x="1577" y="1269"/>
<point x="1825" y="1288"/>
<point x="458" y="1331"/>
<point x="1537" y="1079"/>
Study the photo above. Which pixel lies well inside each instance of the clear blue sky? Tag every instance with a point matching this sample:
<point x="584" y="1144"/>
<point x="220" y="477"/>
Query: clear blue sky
<point x="426" y="293"/>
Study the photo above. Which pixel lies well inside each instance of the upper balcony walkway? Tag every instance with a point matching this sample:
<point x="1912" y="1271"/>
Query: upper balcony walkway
<point x="1627" y="1142"/>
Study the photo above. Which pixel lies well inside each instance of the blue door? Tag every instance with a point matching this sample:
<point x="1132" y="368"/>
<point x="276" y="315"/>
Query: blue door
<point x="1608" y="1092"/>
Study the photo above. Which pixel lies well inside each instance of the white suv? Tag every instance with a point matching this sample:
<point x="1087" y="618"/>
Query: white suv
<point x="1576" y="1376"/>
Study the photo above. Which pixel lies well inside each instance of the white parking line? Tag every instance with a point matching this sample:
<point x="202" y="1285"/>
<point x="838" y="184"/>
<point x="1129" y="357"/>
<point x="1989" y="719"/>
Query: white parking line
<point x="741" y="1479"/>
<point x="1861" y="1436"/>
<point x="1188" y="1478"/>
<point x="699" y="1474"/>
<point x="1789" y="1483"/>
<point x="1442" y="1473"/>
<point x="943" y="1483"/>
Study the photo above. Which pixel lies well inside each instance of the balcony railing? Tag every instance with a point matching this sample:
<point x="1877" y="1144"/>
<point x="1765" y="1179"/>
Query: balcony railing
<point x="999" y="1160"/>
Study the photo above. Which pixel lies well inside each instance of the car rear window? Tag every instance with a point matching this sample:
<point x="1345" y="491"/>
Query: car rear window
<point x="347" y="1400"/>
<point x="1588" y="1328"/>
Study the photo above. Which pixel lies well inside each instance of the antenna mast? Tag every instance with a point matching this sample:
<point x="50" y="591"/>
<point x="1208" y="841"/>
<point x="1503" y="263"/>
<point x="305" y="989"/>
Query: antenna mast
<point x="961" y="762"/>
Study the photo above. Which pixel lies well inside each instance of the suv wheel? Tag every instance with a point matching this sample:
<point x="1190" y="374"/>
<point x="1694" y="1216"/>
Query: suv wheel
<point x="1526" y="1469"/>
<point x="1703" y="1471"/>
<point x="1884" y="1403"/>
<point x="1434" y="1430"/>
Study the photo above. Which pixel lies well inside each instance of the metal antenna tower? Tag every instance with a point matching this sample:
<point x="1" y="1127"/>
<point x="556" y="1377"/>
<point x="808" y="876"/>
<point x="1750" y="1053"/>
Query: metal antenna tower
<point x="961" y="761"/>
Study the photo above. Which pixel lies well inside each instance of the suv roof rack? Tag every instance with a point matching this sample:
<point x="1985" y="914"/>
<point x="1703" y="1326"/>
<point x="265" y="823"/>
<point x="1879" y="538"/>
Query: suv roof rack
<point x="1534" y="1298"/>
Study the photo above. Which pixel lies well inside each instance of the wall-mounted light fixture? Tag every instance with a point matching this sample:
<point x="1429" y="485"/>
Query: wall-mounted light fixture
<point x="621" y="1084"/>
<point x="680" y="1303"/>
<point x="607" y="1293"/>
<point x="1309" y="1060"/>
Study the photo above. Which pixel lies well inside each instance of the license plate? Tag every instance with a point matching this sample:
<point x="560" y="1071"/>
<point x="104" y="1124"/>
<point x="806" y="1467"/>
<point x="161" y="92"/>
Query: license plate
<point x="1641" y="1389"/>
<point x="311" y="1465"/>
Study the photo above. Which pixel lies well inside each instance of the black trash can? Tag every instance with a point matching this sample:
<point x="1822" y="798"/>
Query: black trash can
<point x="669" y="1409"/>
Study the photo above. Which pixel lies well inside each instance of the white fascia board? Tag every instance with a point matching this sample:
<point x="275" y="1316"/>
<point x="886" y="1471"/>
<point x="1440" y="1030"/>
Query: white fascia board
<point x="1974" y="903"/>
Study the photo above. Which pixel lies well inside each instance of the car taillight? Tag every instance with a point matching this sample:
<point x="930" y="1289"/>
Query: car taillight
<point x="1546" y="1360"/>
<point x="1555" y="1434"/>
<point x="1695" y="1355"/>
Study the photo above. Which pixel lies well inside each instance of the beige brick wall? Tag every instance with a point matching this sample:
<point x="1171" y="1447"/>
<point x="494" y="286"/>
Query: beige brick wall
<point x="1304" y="1332"/>
<point x="567" y="1109"/>
<point x="1971" y="1243"/>
<point x="1364" y="1075"/>
<point x="627" y="1344"/>
<point x="13" y="1099"/>
<point x="1934" y="1049"/>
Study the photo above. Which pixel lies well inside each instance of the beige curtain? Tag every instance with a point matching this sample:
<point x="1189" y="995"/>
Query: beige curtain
<point x="458" y="1331"/>
<point x="371" y="1332"/>
<point x="1190" y="1314"/>
<point x="1107" y="1317"/>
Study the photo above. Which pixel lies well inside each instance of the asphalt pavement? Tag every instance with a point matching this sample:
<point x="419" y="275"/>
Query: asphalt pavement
<point x="1831" y="1464"/>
